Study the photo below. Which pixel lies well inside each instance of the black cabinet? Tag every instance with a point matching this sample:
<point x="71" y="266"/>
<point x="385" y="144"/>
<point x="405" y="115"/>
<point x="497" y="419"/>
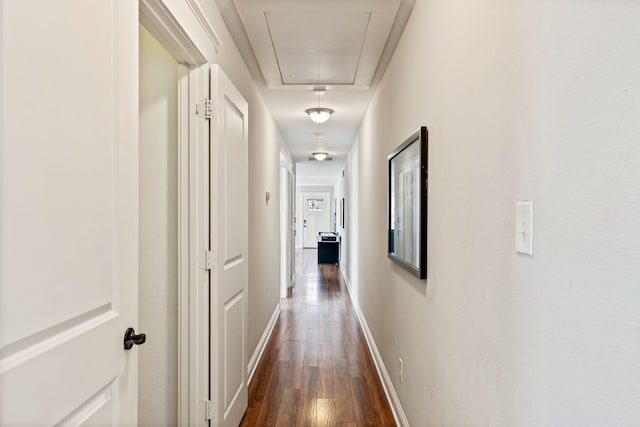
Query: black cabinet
<point x="328" y="248"/>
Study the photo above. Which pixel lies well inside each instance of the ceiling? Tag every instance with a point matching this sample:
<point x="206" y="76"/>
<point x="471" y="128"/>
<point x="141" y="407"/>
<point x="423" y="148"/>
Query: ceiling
<point x="295" y="46"/>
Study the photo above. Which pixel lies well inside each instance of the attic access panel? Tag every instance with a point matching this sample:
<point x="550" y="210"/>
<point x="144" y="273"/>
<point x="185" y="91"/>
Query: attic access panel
<point x="332" y="42"/>
<point x="321" y="47"/>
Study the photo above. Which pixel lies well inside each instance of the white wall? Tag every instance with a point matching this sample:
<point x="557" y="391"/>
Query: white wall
<point x="344" y="189"/>
<point x="340" y="189"/>
<point x="536" y="100"/>
<point x="158" y="272"/>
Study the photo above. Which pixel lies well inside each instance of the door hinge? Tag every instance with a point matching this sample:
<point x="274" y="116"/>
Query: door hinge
<point x="207" y="260"/>
<point x="208" y="265"/>
<point x="208" y="410"/>
<point x="205" y="109"/>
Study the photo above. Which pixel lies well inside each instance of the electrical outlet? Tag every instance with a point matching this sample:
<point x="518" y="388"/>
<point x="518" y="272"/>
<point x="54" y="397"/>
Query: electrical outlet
<point x="401" y="363"/>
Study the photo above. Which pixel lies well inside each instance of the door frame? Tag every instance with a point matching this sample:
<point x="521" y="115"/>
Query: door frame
<point x="287" y="228"/>
<point x="183" y="29"/>
<point x="319" y="194"/>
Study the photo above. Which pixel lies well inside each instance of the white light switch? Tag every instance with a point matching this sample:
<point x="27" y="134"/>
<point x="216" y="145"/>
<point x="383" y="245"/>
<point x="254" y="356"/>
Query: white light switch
<point x="524" y="227"/>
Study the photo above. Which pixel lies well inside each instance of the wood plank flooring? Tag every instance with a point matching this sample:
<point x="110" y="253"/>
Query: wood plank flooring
<point x="316" y="369"/>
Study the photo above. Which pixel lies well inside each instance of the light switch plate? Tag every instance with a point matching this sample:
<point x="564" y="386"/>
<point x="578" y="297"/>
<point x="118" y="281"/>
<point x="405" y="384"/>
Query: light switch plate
<point x="524" y="227"/>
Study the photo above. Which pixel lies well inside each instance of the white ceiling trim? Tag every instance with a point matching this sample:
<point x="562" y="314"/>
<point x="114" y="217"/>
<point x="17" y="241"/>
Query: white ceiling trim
<point x="160" y="21"/>
<point x="315" y="6"/>
<point x="204" y="22"/>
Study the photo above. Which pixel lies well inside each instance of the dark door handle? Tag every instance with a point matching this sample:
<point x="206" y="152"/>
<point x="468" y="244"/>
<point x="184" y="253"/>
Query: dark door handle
<point x="130" y="338"/>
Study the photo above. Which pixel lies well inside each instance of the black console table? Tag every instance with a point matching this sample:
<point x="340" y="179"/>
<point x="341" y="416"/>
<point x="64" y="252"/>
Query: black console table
<point x="328" y="248"/>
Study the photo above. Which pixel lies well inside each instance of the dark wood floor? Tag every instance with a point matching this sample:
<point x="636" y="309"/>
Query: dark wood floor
<point x="316" y="369"/>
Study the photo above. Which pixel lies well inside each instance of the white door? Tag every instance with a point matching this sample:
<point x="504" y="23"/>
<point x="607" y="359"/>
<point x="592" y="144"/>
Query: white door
<point x="287" y="229"/>
<point x="316" y="217"/>
<point x="292" y="227"/>
<point x="229" y="243"/>
<point x="68" y="212"/>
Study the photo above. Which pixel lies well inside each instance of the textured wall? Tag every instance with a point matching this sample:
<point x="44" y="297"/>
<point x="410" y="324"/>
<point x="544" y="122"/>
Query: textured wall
<point x="534" y="100"/>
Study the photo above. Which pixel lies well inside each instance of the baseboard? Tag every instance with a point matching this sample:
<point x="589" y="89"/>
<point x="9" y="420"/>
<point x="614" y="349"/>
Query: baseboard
<point x="253" y="363"/>
<point x="389" y="390"/>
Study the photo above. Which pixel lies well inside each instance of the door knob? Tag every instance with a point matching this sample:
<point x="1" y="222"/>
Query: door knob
<point x="130" y="338"/>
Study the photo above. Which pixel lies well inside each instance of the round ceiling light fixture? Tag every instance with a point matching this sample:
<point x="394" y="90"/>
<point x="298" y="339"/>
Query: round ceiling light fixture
<point x="318" y="114"/>
<point x="319" y="155"/>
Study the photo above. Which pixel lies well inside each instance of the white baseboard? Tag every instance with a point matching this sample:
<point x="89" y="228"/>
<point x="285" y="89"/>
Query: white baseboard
<point x="253" y="363"/>
<point x="389" y="390"/>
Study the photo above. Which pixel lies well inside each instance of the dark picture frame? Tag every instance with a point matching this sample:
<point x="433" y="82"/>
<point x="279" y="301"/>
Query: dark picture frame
<point x="407" y="203"/>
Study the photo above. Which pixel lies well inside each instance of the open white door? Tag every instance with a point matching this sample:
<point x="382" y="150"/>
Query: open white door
<point x="229" y="243"/>
<point x="68" y="212"/>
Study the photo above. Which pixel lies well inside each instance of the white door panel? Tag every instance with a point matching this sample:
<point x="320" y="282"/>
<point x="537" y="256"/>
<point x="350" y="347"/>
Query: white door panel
<point x="316" y="217"/>
<point x="229" y="242"/>
<point x="68" y="220"/>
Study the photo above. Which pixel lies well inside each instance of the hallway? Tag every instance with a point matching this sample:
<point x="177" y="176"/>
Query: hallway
<point x="316" y="369"/>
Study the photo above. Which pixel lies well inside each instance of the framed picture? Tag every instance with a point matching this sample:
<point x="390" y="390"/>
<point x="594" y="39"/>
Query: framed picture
<point x="407" y="203"/>
<point x="342" y="216"/>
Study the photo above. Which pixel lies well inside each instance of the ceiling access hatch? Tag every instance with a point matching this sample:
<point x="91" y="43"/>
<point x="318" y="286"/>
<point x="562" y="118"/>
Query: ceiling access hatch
<point x="319" y="47"/>
<point x="332" y="42"/>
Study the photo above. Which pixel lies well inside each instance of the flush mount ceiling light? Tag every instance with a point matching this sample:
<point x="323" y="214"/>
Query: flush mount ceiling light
<point x="319" y="155"/>
<point x="318" y="114"/>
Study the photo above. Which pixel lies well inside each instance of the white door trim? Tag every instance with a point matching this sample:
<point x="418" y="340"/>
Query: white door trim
<point x="320" y="194"/>
<point x="286" y="222"/>
<point x="182" y="28"/>
<point x="183" y="38"/>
